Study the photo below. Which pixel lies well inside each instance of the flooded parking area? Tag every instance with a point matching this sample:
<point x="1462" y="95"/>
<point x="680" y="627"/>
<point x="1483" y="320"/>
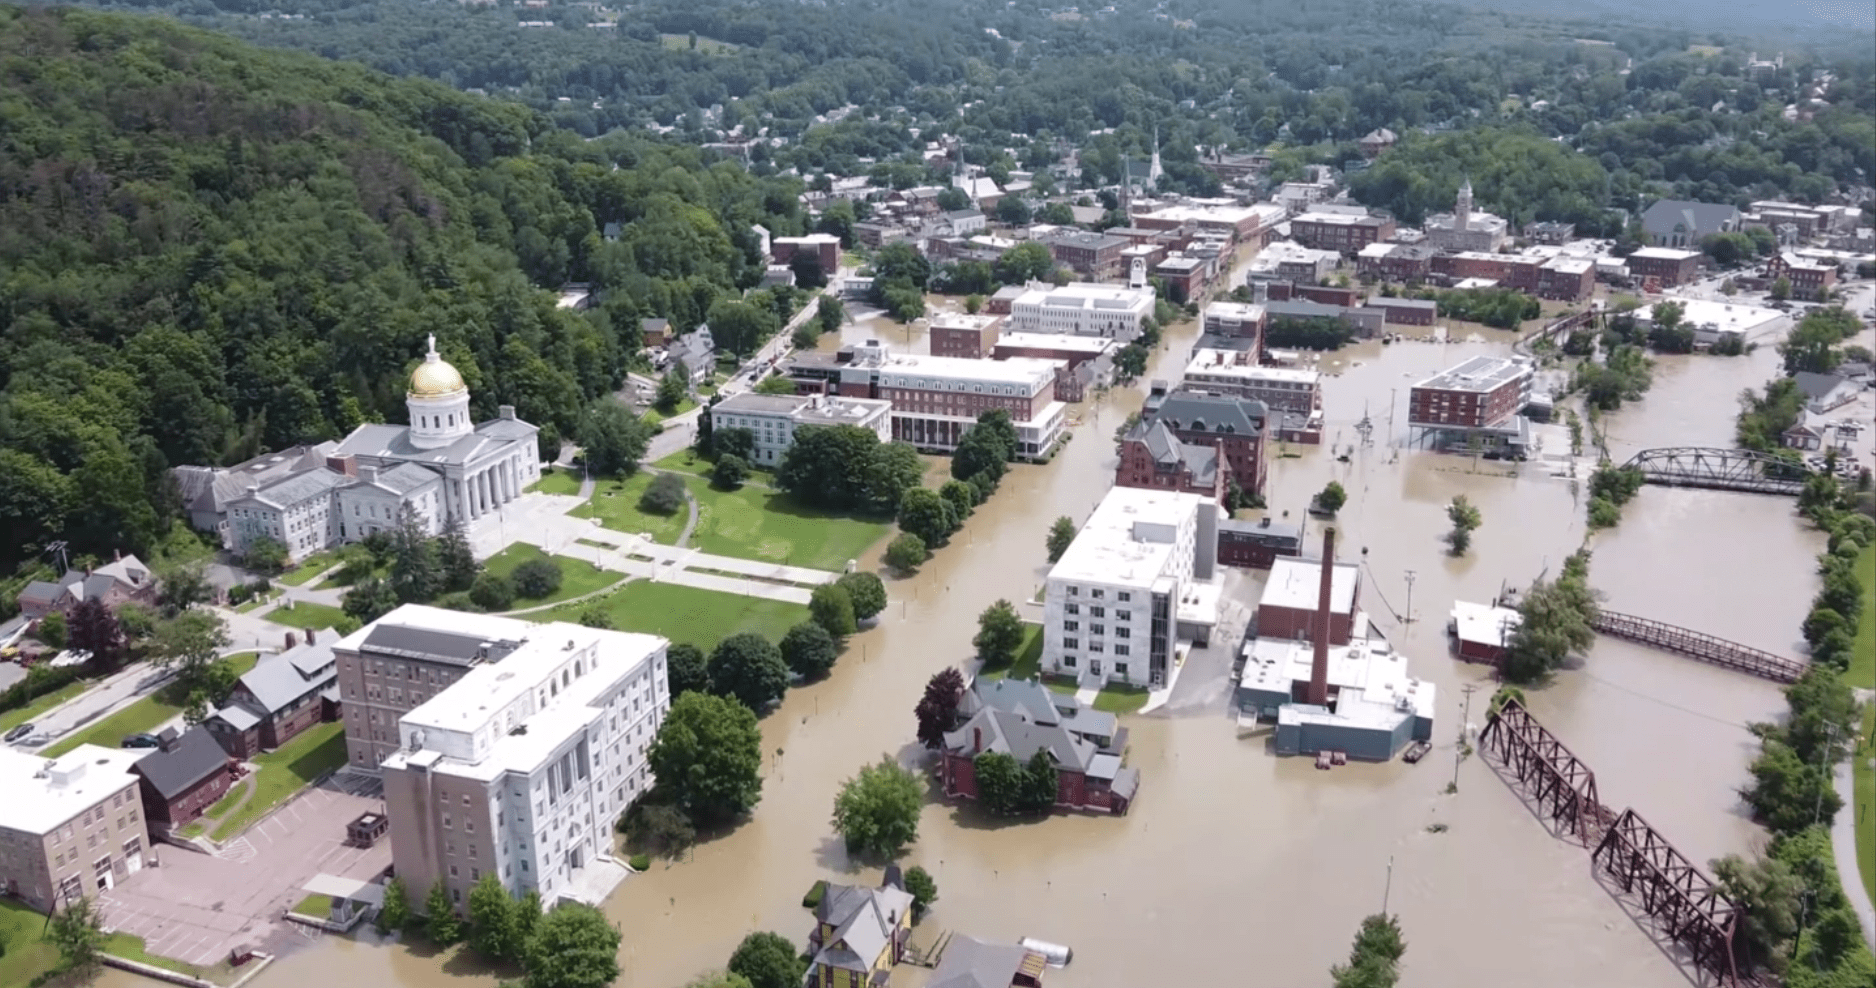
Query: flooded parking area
<point x="1235" y="866"/>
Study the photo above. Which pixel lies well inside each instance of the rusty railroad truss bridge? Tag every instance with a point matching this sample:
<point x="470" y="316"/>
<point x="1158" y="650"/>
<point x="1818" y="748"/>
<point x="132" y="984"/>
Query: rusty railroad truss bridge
<point x="1685" y="904"/>
<point x="1719" y="469"/>
<point x="1699" y="645"/>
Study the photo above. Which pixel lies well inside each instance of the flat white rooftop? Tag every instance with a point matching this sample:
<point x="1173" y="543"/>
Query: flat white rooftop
<point x="1091" y="345"/>
<point x="1371" y="677"/>
<point x="1725" y="317"/>
<point x="1484" y="624"/>
<point x="43" y="793"/>
<point x="1224" y="363"/>
<point x="1130" y="537"/>
<point x="921" y="371"/>
<point x="1234" y="312"/>
<point x="1665" y="254"/>
<point x="1297" y="583"/>
<point x="964" y="320"/>
<point x="1480" y="374"/>
<point x="1086" y="295"/>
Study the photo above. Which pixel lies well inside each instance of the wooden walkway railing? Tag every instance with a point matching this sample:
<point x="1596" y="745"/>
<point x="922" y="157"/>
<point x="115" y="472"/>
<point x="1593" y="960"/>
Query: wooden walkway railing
<point x="1700" y="645"/>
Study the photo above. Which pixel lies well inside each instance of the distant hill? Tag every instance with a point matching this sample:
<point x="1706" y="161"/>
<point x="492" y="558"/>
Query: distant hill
<point x="208" y="250"/>
<point x="1826" y="24"/>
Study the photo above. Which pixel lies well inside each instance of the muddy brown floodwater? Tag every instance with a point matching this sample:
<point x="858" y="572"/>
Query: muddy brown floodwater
<point x="1235" y="866"/>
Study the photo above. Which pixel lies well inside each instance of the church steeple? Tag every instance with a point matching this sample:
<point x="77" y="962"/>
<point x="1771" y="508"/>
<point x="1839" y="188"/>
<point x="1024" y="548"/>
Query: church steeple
<point x="1462" y="207"/>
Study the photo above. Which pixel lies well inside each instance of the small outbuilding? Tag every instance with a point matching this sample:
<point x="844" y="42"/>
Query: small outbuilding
<point x="184" y="777"/>
<point x="1481" y="632"/>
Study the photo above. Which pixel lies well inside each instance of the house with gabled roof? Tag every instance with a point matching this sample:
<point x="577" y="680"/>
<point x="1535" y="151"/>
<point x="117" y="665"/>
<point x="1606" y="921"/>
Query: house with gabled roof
<point x="184" y="777"/>
<point x="283" y="695"/>
<point x="1024" y="717"/>
<point x="860" y="933"/>
<point x="1151" y="456"/>
<point x="121" y="581"/>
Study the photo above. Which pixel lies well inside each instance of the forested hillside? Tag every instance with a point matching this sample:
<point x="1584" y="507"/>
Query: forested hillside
<point x="207" y="250"/>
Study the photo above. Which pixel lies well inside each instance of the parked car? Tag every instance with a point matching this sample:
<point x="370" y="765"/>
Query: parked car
<point x="19" y="732"/>
<point x="140" y="741"/>
<point x="36" y="739"/>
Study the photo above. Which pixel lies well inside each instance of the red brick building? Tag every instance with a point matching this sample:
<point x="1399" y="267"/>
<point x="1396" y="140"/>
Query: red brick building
<point x="1567" y="279"/>
<point x="1257" y="544"/>
<point x="1093" y="256"/>
<point x="1152" y="457"/>
<point x="1232" y="425"/>
<point x="1293" y="592"/>
<point x="1085" y="745"/>
<point x="1406" y="263"/>
<point x="1480" y="393"/>
<point x="1807" y="277"/>
<point x="1406" y="311"/>
<point x="1481" y="633"/>
<point x="959" y="335"/>
<point x="1509" y="270"/>
<point x="1344" y="232"/>
<point x="1284" y="291"/>
<point x="183" y="779"/>
<point x="1087" y="361"/>
<point x="1668" y="265"/>
<point x="824" y="246"/>
<point x="123" y="580"/>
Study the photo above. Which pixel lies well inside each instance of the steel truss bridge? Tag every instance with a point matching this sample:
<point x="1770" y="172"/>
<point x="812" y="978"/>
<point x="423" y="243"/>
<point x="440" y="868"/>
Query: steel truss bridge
<point x="1719" y="469"/>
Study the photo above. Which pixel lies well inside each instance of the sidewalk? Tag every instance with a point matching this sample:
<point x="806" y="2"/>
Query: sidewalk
<point x="1843" y="842"/>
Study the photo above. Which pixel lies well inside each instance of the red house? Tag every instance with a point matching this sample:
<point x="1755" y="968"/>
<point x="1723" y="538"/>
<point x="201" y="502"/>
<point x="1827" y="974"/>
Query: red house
<point x="1481" y="633"/>
<point x="1019" y="719"/>
<point x="1151" y="456"/>
<point x="281" y="696"/>
<point x="185" y="778"/>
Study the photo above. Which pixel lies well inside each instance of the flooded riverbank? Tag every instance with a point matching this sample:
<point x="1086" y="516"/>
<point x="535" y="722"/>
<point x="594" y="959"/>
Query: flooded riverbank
<point x="1235" y="866"/>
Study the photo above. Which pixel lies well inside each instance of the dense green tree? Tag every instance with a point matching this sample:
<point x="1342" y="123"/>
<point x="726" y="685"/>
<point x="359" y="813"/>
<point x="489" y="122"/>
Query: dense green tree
<point x="847" y="467"/>
<point x="876" y="812"/>
<point x="1061" y="535"/>
<point x="1332" y="497"/>
<point x="492" y="920"/>
<point x="729" y="473"/>
<point x="441" y="923"/>
<point x="708" y="752"/>
<point x="748" y="668"/>
<point x="867" y="592"/>
<point x="809" y="650"/>
<point x="739" y="327"/>
<point x="493" y="592"/>
<point x="673" y="388"/>
<point x="1374" y="960"/>
<point x="737" y="442"/>
<point x="832" y="608"/>
<point x="1555" y="620"/>
<point x="1464" y="516"/>
<point x="537" y="579"/>
<point x="394" y="914"/>
<point x="1025" y="262"/>
<point x="961" y="496"/>
<point x="925" y="514"/>
<point x="369" y="599"/>
<point x="416" y="568"/>
<point x="265" y="555"/>
<point x="688" y="669"/>
<point x="78" y="934"/>
<point x="924" y="889"/>
<point x="1013" y="210"/>
<point x="999" y="783"/>
<point x="573" y="946"/>
<point x="999" y="635"/>
<point x="613" y="439"/>
<point x="1788" y="794"/>
<point x="906" y="553"/>
<point x="768" y="960"/>
<point x="455" y="558"/>
<point x="1812" y="346"/>
<point x="664" y="495"/>
<point x="1041" y="783"/>
<point x="53" y="629"/>
<point x="829" y="314"/>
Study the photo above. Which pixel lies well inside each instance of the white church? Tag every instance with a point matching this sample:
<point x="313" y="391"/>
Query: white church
<point x="441" y="467"/>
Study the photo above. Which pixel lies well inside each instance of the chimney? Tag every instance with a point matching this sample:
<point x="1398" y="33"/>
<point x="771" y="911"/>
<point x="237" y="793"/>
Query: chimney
<point x="291" y="641"/>
<point x="309" y="636"/>
<point x="368" y="473"/>
<point x="977" y="740"/>
<point x="507" y="411"/>
<point x="1319" y="665"/>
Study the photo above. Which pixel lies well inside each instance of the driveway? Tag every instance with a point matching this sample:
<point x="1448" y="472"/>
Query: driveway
<point x="197" y="908"/>
<point x="1205" y="682"/>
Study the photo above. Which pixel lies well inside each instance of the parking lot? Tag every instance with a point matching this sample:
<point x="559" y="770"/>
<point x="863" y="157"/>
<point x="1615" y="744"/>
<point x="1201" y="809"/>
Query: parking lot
<point x="197" y="908"/>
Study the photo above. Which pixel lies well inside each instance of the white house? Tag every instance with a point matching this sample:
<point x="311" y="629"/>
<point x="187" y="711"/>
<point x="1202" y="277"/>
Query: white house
<point x="773" y="419"/>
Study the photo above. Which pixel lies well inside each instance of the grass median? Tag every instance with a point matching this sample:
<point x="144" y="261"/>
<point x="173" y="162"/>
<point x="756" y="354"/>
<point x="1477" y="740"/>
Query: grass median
<point x="285" y="771"/>
<point x="40" y="704"/>
<point x="307" y="615"/>
<point x="313" y="565"/>
<point x="141" y="717"/>
<point x="557" y="480"/>
<point x="1862" y="675"/>
<point x="767" y="525"/>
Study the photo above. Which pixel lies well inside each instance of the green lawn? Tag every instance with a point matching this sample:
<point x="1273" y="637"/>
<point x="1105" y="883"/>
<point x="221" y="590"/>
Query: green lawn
<point x="26" y="955"/>
<point x="40" y="704"/>
<point x="132" y="948"/>
<point x="314" y="565"/>
<point x="1028" y="657"/>
<point x="687" y="614"/>
<point x="307" y="615"/>
<point x="577" y="576"/>
<point x="758" y="523"/>
<point x="315" y="905"/>
<point x="686" y="461"/>
<point x="615" y="504"/>
<point x="655" y="416"/>
<point x="557" y="480"/>
<point x="286" y="771"/>
<point x="141" y="717"/>
<point x="1117" y="699"/>
<point x="1862" y="673"/>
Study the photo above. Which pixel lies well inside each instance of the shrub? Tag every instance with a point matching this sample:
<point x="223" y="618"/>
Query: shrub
<point x="537" y="578"/>
<point x="730" y="472"/>
<point x="664" y="495"/>
<point x="816" y="893"/>
<point x="906" y="553"/>
<point x="640" y="862"/>
<point x="492" y="592"/>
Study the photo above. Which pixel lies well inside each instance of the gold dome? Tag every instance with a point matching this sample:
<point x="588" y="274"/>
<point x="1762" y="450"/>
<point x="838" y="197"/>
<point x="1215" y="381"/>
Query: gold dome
<point x="434" y="379"/>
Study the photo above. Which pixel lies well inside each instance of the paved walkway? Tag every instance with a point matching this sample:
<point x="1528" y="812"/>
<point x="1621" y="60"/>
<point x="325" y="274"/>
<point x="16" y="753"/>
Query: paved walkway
<point x="1843" y="842"/>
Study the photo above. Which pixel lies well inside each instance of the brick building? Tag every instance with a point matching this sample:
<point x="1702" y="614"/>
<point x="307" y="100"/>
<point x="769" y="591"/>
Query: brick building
<point x="1669" y="265"/>
<point x="1407" y="263"/>
<point x="1257" y="544"/>
<point x="1345" y="230"/>
<point x="1480" y="393"/>
<point x="1086" y="361"/>
<point x="1152" y="457"/>
<point x="1283" y="291"/>
<point x="824" y="246"/>
<point x="1239" y="321"/>
<point x="936" y="399"/>
<point x="1021" y="718"/>
<point x="1094" y="256"/>
<point x="283" y="695"/>
<point x="1807" y="277"/>
<point x="1233" y="425"/>
<point x="956" y="334"/>
<point x="1566" y="279"/>
<point x="1406" y="311"/>
<point x="1292" y="593"/>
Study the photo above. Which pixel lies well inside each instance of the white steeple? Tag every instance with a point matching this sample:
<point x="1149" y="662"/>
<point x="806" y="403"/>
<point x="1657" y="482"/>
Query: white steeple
<point x="1462" y="208"/>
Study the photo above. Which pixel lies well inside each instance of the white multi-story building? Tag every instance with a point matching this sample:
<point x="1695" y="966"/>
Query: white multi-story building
<point x="1082" y="309"/>
<point x="442" y="467"/>
<point x="1137" y="576"/>
<point x="935" y="400"/>
<point x="70" y="826"/>
<point x="1467" y="229"/>
<point x="773" y="419"/>
<point x="520" y="767"/>
<point x="1292" y="389"/>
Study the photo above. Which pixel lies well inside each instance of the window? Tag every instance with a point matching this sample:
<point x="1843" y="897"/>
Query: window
<point x="1099" y="629"/>
<point x="1125" y="595"/>
<point x="452" y="871"/>
<point x="1071" y="643"/>
<point x="1122" y="650"/>
<point x="1074" y="591"/>
<point x="1098" y="592"/>
<point x="446" y="822"/>
<point x="1069" y="661"/>
<point x="1098" y="611"/>
<point x="1123" y="632"/>
<point x="1096" y="647"/>
<point x="1120" y="668"/>
<point x="1073" y="608"/>
<point x="1071" y="625"/>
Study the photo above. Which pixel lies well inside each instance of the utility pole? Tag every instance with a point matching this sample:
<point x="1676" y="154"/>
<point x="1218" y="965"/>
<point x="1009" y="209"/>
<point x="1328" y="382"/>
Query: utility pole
<point x="1387" y="889"/>
<point x="1409" y="619"/>
<point x="1468" y="690"/>
<point x="1823" y="757"/>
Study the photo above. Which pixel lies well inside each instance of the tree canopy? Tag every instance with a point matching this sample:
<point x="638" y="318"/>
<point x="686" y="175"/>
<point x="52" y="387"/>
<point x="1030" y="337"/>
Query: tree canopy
<point x="709" y="753"/>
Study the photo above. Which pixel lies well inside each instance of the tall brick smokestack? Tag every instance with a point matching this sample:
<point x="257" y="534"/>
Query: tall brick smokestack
<point x="1319" y="664"/>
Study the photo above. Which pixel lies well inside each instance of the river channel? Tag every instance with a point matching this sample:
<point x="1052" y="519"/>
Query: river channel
<point x="1236" y="867"/>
